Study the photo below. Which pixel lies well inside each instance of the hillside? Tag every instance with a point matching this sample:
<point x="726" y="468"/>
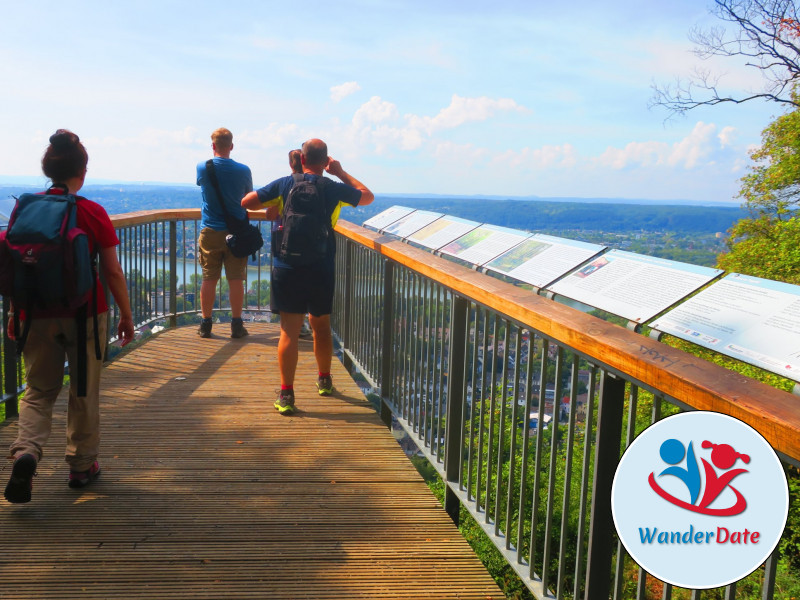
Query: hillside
<point x="526" y="214"/>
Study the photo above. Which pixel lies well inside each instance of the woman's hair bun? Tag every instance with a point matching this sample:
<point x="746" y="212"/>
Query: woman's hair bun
<point x="63" y="138"/>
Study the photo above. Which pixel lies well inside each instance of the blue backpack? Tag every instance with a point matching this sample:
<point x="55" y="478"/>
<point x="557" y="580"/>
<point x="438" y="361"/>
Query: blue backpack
<point x="46" y="262"/>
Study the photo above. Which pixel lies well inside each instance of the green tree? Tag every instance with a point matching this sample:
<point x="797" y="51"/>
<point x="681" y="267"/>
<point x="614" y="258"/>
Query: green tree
<point x="767" y="244"/>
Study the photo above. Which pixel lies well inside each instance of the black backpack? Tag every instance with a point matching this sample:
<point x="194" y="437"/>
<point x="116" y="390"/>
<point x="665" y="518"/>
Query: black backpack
<point x="305" y="232"/>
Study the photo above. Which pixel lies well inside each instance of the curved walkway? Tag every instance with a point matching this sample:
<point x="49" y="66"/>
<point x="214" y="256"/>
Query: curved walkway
<point x="207" y="492"/>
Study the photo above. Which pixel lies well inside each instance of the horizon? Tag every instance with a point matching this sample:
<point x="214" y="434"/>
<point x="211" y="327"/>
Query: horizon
<point x="511" y="99"/>
<point x="41" y="182"/>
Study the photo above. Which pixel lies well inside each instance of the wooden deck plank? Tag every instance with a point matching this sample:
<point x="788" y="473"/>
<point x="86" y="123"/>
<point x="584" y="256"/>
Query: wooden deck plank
<point x="207" y="492"/>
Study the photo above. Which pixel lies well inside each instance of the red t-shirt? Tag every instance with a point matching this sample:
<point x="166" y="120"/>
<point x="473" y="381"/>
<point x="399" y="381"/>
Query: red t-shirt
<point x="94" y="220"/>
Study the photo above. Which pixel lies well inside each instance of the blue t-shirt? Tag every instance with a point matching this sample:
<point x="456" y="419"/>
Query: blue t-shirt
<point x="235" y="181"/>
<point x="336" y="195"/>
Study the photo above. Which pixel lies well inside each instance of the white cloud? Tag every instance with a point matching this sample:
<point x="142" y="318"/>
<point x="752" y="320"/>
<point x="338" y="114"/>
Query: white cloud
<point x="727" y="137"/>
<point x="461" y="111"/>
<point x="693" y="151"/>
<point x="281" y="135"/>
<point x="340" y="92"/>
<point x="694" y="147"/>
<point x="546" y="157"/>
<point x="375" y="111"/>
<point x="378" y="122"/>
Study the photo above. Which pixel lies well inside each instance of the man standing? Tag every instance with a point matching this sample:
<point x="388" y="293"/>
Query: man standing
<point x="297" y="290"/>
<point x="235" y="180"/>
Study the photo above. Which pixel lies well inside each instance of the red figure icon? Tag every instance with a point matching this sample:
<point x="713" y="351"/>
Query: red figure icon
<point x="724" y="457"/>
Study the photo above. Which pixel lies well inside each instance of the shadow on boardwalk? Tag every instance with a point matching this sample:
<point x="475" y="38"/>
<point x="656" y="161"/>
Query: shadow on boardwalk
<point x="207" y="492"/>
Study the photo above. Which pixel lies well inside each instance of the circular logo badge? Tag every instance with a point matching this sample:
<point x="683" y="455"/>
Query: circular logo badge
<point x="700" y="500"/>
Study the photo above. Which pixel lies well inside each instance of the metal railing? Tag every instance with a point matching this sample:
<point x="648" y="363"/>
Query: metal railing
<point x="524" y="407"/>
<point x="158" y="254"/>
<point x="475" y="370"/>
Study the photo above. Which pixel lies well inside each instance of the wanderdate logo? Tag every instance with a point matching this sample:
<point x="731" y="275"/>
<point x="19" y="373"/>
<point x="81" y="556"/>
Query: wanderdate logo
<point x="712" y="481"/>
<point x="700" y="500"/>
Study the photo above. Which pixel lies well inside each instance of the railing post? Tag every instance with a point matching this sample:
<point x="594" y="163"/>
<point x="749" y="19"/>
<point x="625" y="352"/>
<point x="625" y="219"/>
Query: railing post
<point x="454" y="420"/>
<point x="387" y="343"/>
<point x="347" y="281"/>
<point x="601" y="528"/>
<point x="10" y="384"/>
<point x="173" y="274"/>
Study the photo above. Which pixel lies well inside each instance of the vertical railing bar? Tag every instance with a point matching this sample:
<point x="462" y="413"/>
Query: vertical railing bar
<point x="514" y="436"/>
<point x="526" y="433"/>
<point x="173" y="273"/>
<point x="545" y="350"/>
<point x="413" y="331"/>
<point x="412" y="377"/>
<point x="459" y="315"/>
<point x="395" y="385"/>
<point x="196" y="264"/>
<point x="447" y="302"/>
<point x="641" y="585"/>
<point x="149" y="260"/>
<point x="482" y="418"/>
<point x="417" y="331"/>
<point x="770" y="570"/>
<point x="666" y="592"/>
<point x="730" y="592"/>
<point x="606" y="458"/>
<point x="466" y="409"/>
<point x="492" y="404"/>
<point x="163" y="261"/>
<point x="501" y="432"/>
<point x="406" y="356"/>
<point x="424" y="364"/>
<point x="633" y="398"/>
<point x="183" y="269"/>
<point x="565" y="506"/>
<point x="141" y="273"/>
<point x="696" y="595"/>
<point x="551" y="483"/>
<point x="476" y="311"/>
<point x="377" y="321"/>
<point x="585" y="472"/>
<point x="387" y="354"/>
<point x="655" y="415"/>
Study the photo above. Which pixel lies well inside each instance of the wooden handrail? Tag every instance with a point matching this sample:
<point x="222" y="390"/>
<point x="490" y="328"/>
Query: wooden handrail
<point x="691" y="380"/>
<point x="179" y="214"/>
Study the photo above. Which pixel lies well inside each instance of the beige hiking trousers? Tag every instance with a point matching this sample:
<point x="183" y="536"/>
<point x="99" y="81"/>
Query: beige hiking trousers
<point x="49" y="341"/>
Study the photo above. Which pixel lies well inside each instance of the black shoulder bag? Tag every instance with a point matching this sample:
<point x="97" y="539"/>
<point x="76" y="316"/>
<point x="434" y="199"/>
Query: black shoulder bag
<point x="244" y="239"/>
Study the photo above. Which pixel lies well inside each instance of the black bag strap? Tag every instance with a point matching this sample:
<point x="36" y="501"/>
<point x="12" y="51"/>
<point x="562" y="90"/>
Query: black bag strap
<point x="212" y="177"/>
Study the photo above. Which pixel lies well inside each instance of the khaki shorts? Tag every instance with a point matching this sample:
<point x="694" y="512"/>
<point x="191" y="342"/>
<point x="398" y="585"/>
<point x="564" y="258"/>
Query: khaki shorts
<point x="214" y="253"/>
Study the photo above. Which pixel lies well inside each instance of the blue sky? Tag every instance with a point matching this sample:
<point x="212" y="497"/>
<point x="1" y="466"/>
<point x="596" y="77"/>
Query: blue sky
<point x="508" y="98"/>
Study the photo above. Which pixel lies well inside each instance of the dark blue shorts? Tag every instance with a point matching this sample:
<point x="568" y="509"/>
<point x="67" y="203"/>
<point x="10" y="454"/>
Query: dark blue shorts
<point x="303" y="290"/>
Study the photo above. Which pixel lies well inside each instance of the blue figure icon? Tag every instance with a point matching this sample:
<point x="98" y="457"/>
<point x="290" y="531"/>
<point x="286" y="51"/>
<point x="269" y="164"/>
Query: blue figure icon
<point x="672" y="452"/>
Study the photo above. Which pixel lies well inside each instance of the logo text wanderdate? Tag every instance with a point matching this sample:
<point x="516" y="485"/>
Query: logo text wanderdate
<point x="691" y="536"/>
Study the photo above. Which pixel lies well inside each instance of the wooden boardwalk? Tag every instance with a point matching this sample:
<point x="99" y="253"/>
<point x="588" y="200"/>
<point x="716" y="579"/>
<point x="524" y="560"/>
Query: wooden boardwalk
<point x="207" y="492"/>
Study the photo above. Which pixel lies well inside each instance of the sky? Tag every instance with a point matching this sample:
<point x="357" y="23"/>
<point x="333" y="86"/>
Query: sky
<point x="509" y="98"/>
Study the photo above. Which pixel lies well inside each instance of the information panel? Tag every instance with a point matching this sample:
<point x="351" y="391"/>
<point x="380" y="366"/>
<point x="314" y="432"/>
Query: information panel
<point x="754" y="320"/>
<point x="484" y="243"/>
<point x="441" y="232"/>
<point x="541" y="259"/>
<point x="633" y="286"/>
<point x="387" y="217"/>
<point x="411" y="223"/>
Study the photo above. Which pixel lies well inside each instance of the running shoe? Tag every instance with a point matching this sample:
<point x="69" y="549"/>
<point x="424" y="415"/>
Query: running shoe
<point x="18" y="490"/>
<point x="285" y="402"/>
<point x="79" y="479"/>
<point x="325" y="385"/>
